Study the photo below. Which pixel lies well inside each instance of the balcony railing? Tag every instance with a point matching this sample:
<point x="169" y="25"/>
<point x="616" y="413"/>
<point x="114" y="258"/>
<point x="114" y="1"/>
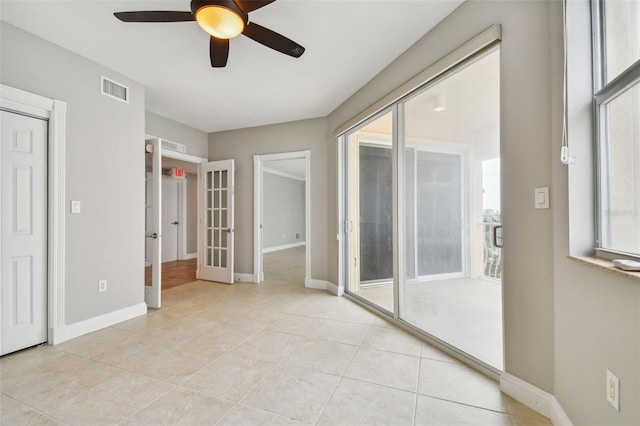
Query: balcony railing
<point x="492" y="254"/>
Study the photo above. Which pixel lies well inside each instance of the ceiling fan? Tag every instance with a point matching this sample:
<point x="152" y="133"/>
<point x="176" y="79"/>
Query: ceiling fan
<point x="222" y="20"/>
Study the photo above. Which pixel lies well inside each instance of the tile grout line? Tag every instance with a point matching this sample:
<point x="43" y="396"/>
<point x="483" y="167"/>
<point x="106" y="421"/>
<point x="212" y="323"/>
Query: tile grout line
<point x="216" y="358"/>
<point x="465" y="404"/>
<point x="341" y="376"/>
<point x="415" y="403"/>
<point x="267" y="374"/>
<point x="37" y="410"/>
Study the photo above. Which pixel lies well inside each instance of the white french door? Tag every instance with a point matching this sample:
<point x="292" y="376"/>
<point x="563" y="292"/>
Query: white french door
<point x="23" y="177"/>
<point x="215" y="239"/>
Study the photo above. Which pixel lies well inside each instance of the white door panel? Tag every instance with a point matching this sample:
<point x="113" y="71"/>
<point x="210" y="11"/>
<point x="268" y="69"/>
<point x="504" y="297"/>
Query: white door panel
<point x="169" y="219"/>
<point x="215" y="254"/>
<point x="148" y="223"/>
<point x="23" y="279"/>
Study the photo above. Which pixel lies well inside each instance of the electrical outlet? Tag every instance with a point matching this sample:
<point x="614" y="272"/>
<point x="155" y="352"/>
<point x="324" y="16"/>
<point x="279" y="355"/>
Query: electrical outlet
<point x="102" y="286"/>
<point x="613" y="390"/>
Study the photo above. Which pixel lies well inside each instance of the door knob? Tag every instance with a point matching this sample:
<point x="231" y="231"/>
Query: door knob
<point x="174" y="223"/>
<point x="151" y="235"/>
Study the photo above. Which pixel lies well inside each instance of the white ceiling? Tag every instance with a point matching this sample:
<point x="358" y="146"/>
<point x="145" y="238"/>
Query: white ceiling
<point x="347" y="43"/>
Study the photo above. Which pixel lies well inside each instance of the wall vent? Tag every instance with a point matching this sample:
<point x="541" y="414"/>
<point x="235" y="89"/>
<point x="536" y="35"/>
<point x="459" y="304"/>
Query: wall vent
<point x="174" y="146"/>
<point x="114" y="90"/>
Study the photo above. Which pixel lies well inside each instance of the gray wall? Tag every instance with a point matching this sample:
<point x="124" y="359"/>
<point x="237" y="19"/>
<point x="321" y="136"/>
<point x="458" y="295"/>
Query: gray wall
<point x="192" y="213"/>
<point x="241" y="145"/>
<point x="103" y="137"/>
<point x="565" y="322"/>
<point x="196" y="140"/>
<point x="283" y="210"/>
<point x="597" y="313"/>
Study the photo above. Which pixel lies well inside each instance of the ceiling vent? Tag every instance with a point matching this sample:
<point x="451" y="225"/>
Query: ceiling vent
<point x="174" y="146"/>
<point x="114" y="90"/>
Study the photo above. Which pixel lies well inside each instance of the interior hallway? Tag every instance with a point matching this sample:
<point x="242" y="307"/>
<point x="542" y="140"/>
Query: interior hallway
<point x="285" y="265"/>
<point x="274" y="353"/>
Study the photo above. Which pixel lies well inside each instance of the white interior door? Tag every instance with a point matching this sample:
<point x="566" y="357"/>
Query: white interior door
<point x="169" y="219"/>
<point x="23" y="177"/>
<point x="215" y="254"/>
<point x="153" y="234"/>
<point x="148" y="223"/>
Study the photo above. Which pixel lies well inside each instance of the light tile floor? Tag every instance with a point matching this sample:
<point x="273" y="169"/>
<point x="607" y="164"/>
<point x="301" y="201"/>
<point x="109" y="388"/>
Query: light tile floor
<point x="466" y="313"/>
<point x="247" y="354"/>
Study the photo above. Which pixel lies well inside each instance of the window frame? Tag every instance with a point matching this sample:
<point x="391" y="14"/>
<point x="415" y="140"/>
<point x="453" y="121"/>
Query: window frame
<point x="604" y="93"/>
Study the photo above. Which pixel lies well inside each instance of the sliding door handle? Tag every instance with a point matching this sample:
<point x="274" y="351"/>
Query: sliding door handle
<point x="495" y="236"/>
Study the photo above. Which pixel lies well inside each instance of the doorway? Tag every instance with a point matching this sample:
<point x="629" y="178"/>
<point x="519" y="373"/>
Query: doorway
<point x="282" y="241"/>
<point x="283" y="220"/>
<point x="171" y="233"/>
<point x="422" y="203"/>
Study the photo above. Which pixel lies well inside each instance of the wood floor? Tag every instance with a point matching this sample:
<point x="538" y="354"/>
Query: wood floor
<point x="174" y="273"/>
<point x="284" y="265"/>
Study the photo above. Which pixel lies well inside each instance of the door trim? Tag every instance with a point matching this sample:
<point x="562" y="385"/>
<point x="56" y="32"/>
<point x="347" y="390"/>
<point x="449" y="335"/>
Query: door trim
<point x="54" y="111"/>
<point x="258" y="166"/>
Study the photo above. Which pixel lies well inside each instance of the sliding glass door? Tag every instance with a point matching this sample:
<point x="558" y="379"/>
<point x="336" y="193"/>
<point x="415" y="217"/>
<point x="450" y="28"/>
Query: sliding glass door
<point x="370" y="212"/>
<point x="439" y="166"/>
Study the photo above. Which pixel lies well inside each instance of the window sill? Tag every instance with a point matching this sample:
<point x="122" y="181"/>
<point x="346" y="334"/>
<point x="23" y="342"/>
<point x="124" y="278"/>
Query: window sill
<point x="605" y="265"/>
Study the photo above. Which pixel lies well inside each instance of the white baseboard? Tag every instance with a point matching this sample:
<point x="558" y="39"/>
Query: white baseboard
<point x="558" y="416"/>
<point x="283" y="247"/>
<point x="534" y="398"/>
<point x="316" y="284"/>
<point x="245" y="278"/>
<point x="188" y="256"/>
<point x="71" y="331"/>
<point x="335" y="289"/>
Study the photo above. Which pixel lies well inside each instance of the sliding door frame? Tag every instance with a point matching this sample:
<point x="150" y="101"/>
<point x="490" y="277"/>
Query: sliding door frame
<point x="474" y="48"/>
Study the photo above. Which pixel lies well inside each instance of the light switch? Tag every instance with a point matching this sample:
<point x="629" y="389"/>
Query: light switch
<point x="541" y="198"/>
<point x="75" y="206"/>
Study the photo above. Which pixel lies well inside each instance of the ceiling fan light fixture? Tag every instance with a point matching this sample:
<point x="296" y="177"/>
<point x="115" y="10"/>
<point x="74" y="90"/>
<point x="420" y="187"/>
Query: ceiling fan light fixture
<point x="220" y="21"/>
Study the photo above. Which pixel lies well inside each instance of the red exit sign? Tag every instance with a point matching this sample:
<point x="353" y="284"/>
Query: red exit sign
<point x="178" y="173"/>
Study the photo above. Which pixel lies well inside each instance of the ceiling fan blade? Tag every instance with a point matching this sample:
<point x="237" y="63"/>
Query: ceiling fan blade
<point x="250" y="5"/>
<point x="273" y="40"/>
<point x="155" y="16"/>
<point x="218" y="51"/>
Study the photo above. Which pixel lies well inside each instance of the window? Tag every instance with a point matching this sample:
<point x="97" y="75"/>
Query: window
<point x="616" y="30"/>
